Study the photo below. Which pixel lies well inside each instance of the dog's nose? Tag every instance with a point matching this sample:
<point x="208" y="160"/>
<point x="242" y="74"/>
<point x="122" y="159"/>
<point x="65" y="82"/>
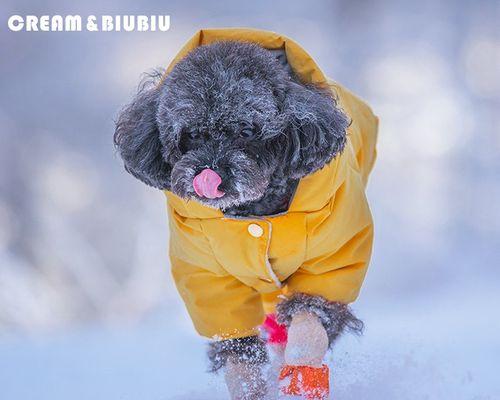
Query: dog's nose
<point x="206" y="184"/>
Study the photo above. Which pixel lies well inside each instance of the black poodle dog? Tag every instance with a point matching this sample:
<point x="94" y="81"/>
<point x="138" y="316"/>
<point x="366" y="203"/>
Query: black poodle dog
<point x="233" y="128"/>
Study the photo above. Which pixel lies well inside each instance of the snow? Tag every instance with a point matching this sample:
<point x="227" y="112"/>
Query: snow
<point x="406" y="352"/>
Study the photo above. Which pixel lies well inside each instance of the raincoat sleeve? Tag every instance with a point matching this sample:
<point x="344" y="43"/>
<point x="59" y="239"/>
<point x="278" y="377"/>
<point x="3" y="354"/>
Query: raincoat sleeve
<point x="219" y="305"/>
<point x="340" y="250"/>
<point x="340" y="244"/>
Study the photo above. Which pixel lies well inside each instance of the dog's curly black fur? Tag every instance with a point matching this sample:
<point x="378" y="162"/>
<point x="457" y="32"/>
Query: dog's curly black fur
<point x="251" y="350"/>
<point x="235" y="108"/>
<point x="335" y="317"/>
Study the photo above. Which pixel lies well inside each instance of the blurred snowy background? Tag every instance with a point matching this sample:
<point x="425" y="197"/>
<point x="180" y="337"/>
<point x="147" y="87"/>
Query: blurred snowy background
<point x="87" y="305"/>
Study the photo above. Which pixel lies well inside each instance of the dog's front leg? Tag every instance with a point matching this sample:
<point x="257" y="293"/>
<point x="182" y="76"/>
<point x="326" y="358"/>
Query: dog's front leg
<point x="241" y="360"/>
<point x="244" y="380"/>
<point x="313" y="325"/>
<point x="307" y="340"/>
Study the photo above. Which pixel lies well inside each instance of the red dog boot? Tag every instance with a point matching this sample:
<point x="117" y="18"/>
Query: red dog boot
<point x="276" y="337"/>
<point x="274" y="332"/>
<point x="311" y="383"/>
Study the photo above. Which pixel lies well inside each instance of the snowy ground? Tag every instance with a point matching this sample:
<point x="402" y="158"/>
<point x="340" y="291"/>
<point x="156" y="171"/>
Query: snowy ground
<point x="406" y="353"/>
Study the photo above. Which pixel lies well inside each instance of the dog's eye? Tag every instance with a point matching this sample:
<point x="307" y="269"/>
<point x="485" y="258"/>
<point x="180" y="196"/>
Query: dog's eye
<point x="194" y="135"/>
<point x="247" y="130"/>
<point x="189" y="139"/>
<point x="246" y="133"/>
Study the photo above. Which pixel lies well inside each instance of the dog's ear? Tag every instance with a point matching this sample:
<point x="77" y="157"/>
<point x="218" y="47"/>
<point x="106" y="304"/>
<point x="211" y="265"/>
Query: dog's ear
<point x="315" y="127"/>
<point x="137" y="138"/>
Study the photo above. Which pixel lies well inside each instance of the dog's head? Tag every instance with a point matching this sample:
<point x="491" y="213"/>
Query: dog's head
<point x="223" y="121"/>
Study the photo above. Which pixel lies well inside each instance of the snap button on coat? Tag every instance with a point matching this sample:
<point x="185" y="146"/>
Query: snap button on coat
<point x="255" y="230"/>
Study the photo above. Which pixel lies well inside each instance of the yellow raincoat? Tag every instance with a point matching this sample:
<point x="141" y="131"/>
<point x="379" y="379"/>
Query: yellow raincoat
<point x="226" y="268"/>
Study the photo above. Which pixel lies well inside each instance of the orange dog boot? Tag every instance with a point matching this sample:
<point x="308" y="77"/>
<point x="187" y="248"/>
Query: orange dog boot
<point x="311" y="383"/>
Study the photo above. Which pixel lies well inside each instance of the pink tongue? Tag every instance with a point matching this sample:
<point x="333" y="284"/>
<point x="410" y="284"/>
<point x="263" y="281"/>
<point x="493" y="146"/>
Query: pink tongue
<point x="206" y="184"/>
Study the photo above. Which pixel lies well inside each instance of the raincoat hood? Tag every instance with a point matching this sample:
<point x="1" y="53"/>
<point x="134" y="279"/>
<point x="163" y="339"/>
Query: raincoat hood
<point x="300" y="61"/>
<point x="224" y="266"/>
